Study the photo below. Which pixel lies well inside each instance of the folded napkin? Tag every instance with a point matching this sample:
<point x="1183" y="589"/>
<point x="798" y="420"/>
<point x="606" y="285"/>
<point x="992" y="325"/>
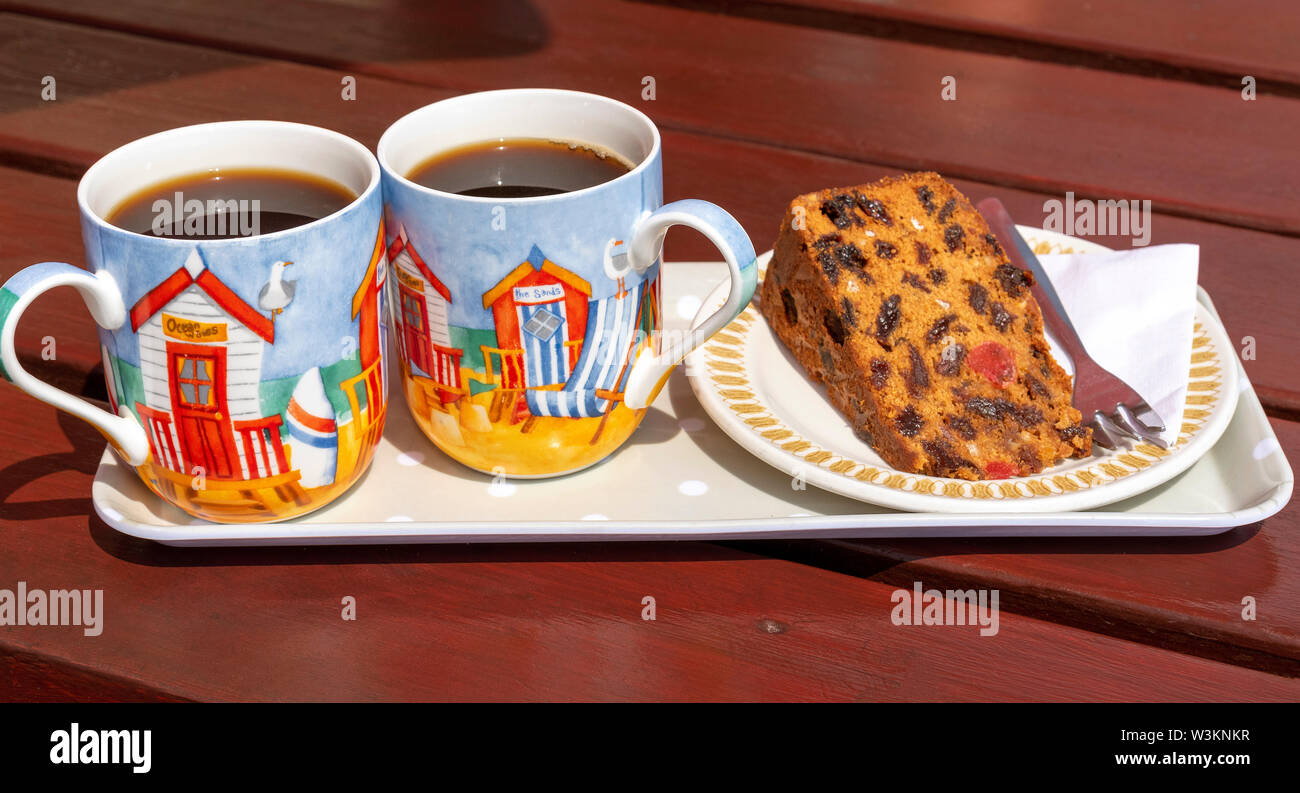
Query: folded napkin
<point x="1134" y="311"/>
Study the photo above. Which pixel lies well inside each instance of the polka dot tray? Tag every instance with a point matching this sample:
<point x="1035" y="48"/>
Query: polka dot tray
<point x="681" y="477"/>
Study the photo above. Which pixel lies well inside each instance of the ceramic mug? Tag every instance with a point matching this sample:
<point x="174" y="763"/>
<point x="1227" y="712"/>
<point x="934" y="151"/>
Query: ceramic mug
<point x="530" y="328"/>
<point x="238" y="394"/>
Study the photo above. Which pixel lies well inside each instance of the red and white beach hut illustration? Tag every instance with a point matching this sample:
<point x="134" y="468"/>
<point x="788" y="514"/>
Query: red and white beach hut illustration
<point x="201" y="349"/>
<point x="539" y="311"/>
<point x="423" y="312"/>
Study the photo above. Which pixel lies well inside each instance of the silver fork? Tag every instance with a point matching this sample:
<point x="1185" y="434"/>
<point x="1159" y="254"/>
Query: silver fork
<point x="1116" y="409"/>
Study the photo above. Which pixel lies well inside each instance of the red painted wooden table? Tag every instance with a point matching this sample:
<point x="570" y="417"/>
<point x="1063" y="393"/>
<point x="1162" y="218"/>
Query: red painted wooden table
<point x="757" y="103"/>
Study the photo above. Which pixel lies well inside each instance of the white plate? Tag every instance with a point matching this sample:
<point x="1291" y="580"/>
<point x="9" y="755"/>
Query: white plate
<point x="761" y="397"/>
<point x="680" y="477"/>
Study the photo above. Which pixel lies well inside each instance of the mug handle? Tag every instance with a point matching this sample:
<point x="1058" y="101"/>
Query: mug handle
<point x="102" y="298"/>
<point x="651" y="369"/>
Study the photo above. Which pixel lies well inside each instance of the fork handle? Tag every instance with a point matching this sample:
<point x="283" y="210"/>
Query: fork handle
<point x="1021" y="255"/>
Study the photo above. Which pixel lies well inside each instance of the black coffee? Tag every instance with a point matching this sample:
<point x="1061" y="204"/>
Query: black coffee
<point x="230" y="202"/>
<point x="518" y="168"/>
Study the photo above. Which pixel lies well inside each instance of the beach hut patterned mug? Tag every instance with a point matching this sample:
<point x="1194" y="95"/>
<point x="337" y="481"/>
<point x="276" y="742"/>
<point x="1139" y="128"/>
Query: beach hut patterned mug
<point x="241" y="389"/>
<point x="530" y="327"/>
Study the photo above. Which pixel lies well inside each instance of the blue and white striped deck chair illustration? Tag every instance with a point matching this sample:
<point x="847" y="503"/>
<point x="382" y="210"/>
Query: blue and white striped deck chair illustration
<point x="613" y="325"/>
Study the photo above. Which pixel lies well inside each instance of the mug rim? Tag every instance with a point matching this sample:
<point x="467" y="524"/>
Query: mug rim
<point x="373" y="182"/>
<point x="385" y="141"/>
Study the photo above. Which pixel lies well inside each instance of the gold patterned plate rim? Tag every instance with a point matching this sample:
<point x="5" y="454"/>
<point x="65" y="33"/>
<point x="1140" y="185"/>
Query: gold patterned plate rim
<point x="831" y="458"/>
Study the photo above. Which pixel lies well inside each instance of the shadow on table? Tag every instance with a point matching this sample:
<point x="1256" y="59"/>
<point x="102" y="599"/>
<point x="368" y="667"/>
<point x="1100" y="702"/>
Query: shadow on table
<point x="871" y="557"/>
<point x="342" y="37"/>
<point x="87" y="445"/>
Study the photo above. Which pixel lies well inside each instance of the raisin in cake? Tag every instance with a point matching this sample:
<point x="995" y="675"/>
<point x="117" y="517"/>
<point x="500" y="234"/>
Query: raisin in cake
<point x="897" y="297"/>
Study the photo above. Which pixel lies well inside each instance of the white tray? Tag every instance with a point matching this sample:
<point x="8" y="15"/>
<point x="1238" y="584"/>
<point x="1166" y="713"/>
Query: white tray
<point x="680" y="477"/>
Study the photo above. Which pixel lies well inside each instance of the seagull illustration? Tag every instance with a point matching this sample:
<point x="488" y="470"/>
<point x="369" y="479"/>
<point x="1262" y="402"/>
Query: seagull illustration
<point x="617" y="265"/>
<point x="277" y="293"/>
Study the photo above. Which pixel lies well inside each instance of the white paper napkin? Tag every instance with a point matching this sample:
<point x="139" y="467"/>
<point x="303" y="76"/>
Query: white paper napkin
<point x="1134" y="312"/>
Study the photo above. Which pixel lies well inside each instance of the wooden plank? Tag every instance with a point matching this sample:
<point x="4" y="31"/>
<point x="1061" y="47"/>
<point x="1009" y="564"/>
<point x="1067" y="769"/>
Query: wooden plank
<point x="1184" y="594"/>
<point x="1254" y="37"/>
<point x="552" y="622"/>
<point x="29" y="677"/>
<point x="1193" y="150"/>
